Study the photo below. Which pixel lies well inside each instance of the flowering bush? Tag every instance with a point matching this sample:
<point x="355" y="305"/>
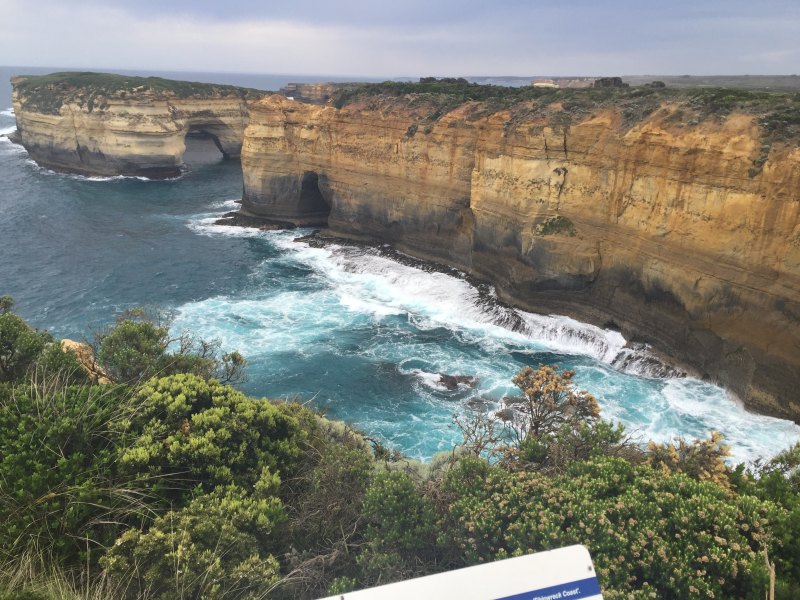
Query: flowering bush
<point x="661" y="533"/>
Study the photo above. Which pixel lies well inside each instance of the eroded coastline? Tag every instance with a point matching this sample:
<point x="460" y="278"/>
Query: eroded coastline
<point x="660" y="227"/>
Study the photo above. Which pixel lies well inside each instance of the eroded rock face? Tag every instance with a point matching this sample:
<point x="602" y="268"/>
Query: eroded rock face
<point x="661" y="228"/>
<point x="138" y="132"/>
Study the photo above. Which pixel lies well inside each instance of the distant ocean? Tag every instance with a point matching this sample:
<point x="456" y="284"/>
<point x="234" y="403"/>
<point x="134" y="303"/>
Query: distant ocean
<point x="348" y="329"/>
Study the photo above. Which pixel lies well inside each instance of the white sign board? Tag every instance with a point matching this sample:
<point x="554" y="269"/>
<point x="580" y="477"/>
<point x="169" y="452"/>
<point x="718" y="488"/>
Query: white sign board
<point x="564" y="574"/>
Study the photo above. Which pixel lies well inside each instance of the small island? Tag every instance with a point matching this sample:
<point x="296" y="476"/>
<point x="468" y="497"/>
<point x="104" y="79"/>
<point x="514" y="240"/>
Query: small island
<point x="105" y="124"/>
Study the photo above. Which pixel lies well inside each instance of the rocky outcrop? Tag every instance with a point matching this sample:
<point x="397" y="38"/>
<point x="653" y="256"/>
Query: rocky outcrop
<point x="682" y="230"/>
<point x="85" y="355"/>
<point x="96" y="124"/>
<point x="314" y="93"/>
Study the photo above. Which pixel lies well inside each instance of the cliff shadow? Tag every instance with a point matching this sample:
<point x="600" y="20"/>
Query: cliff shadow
<point x="313" y="203"/>
<point x="302" y="199"/>
<point x="202" y="148"/>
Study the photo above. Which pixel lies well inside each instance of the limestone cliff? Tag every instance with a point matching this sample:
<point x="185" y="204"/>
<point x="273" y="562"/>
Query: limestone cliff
<point x="99" y="124"/>
<point x="680" y="226"/>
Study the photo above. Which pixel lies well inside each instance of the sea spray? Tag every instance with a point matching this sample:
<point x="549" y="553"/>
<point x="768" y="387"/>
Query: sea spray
<point x="358" y="331"/>
<point x="369" y="338"/>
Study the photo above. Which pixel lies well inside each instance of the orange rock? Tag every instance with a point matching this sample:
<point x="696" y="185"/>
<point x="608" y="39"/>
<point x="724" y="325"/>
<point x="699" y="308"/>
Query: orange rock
<point x="676" y="239"/>
<point x="86" y="359"/>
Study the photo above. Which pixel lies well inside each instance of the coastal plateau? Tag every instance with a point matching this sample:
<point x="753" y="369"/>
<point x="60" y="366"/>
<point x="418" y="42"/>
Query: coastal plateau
<point x="673" y="217"/>
<point x="103" y="124"/>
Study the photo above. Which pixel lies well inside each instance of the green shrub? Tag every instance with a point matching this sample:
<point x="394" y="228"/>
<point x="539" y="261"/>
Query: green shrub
<point x="133" y="350"/>
<point x="59" y="493"/>
<point x="778" y="481"/>
<point x="556" y="226"/>
<point x="58" y="365"/>
<point x="701" y="459"/>
<point x="213" y="548"/>
<point x="401" y="534"/>
<point x="647" y="530"/>
<point x="20" y="345"/>
<point x="342" y="585"/>
<point x="139" y="346"/>
<point x="197" y="431"/>
<point x="47" y="93"/>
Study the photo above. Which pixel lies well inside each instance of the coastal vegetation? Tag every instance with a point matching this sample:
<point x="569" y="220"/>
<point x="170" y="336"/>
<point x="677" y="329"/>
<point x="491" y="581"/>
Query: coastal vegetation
<point x="164" y="482"/>
<point x="776" y="112"/>
<point x="47" y="93"/>
<point x="556" y="225"/>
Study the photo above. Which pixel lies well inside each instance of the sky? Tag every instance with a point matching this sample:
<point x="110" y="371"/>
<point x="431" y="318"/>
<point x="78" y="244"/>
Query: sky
<point x="407" y="37"/>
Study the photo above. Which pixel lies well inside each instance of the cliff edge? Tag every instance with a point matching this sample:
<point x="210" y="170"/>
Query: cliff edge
<point x="103" y="124"/>
<point x="674" y="216"/>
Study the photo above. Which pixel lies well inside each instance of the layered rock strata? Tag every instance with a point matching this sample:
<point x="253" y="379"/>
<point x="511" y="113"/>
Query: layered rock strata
<point x="660" y="227"/>
<point x="135" y="130"/>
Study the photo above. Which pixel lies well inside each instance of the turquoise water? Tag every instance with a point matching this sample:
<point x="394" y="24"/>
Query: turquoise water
<point x="349" y="329"/>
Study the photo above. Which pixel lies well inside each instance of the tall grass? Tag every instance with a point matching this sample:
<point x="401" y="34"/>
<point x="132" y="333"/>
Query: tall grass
<point x="33" y="576"/>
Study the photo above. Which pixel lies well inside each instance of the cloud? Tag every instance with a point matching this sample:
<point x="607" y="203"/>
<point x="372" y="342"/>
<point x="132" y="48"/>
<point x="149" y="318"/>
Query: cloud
<point x="415" y="37"/>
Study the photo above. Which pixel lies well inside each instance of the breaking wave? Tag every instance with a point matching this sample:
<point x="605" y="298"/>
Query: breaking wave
<point x="372" y="339"/>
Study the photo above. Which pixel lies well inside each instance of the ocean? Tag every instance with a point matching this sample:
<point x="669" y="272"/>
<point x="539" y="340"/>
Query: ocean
<point x="358" y="332"/>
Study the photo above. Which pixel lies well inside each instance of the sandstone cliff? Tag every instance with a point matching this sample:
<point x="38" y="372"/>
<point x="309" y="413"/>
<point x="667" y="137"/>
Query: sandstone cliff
<point x="679" y="226"/>
<point x="98" y="124"/>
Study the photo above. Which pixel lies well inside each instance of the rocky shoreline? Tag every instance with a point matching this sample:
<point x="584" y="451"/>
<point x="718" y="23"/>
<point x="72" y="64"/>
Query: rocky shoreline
<point x="637" y="357"/>
<point x="672" y="218"/>
<point x="664" y="230"/>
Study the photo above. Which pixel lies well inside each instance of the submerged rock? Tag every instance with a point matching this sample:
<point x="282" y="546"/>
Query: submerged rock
<point x="237" y="219"/>
<point x="505" y="414"/>
<point x="451" y="382"/>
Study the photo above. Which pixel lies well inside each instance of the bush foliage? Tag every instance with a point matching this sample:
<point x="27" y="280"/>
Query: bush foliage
<point x="776" y="112"/>
<point x="169" y="484"/>
<point x="47" y="93"/>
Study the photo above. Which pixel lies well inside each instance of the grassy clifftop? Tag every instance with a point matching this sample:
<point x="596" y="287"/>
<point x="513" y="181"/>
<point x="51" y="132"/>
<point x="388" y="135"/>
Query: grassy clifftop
<point x="778" y="113"/>
<point x="47" y="93"/>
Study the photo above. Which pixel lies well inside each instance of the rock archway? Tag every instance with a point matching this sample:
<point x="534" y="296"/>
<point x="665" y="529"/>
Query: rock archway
<point x="225" y="137"/>
<point x="72" y="122"/>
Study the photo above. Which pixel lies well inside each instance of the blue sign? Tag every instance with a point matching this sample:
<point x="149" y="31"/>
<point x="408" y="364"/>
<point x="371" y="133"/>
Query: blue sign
<point x="585" y="588"/>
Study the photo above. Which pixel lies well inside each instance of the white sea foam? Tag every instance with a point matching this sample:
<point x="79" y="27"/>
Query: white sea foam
<point x="7" y="145"/>
<point x="9" y="112"/>
<point x="93" y="178"/>
<point x="362" y="305"/>
<point x="108" y="178"/>
<point x="574" y="337"/>
<point x="750" y="435"/>
<point x="206" y="225"/>
<point x="226" y="205"/>
<point x="431" y="380"/>
<point x="473" y="335"/>
<point x="241" y="323"/>
<point x="434" y="299"/>
<point x="369" y="282"/>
